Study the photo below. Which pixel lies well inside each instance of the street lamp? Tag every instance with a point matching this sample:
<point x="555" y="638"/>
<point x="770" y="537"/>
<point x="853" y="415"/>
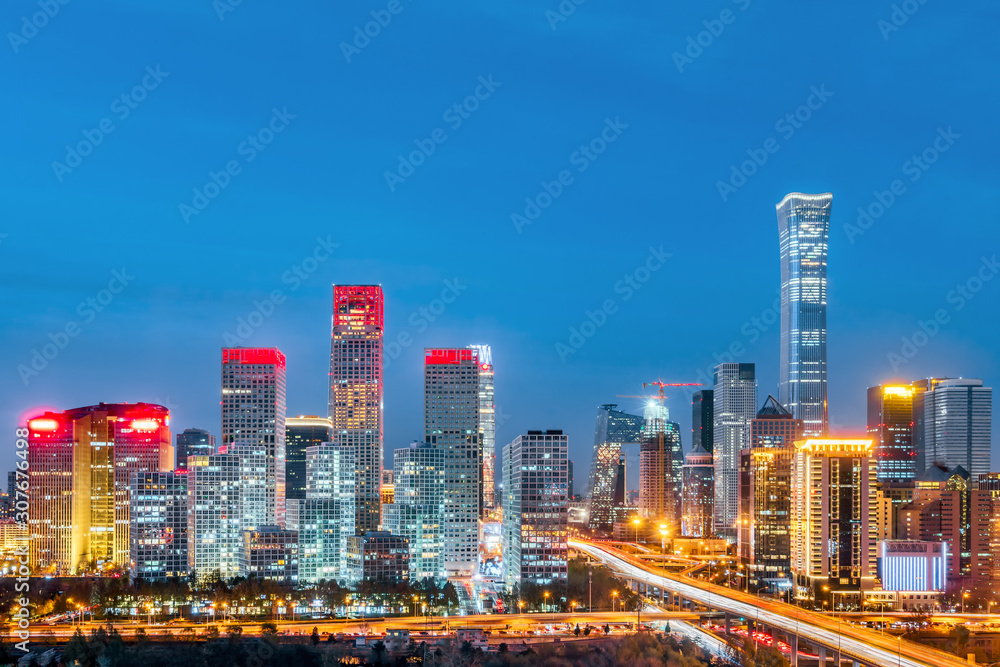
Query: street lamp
<point x="636" y="522"/>
<point x="414" y="606"/>
<point x="663" y="538"/>
<point x="614" y="600"/>
<point x="520" y="606"/>
<point x="546" y="600"/>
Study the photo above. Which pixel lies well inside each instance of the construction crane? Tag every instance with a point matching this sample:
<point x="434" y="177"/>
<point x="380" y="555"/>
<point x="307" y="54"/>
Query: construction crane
<point x="662" y="396"/>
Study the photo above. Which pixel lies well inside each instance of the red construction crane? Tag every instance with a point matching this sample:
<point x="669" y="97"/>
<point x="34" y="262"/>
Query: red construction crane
<point x="661" y="384"/>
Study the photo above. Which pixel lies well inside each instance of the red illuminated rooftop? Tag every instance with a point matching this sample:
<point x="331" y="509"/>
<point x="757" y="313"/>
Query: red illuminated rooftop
<point x="254" y="355"/>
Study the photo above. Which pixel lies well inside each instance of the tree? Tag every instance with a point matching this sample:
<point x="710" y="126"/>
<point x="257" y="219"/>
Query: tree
<point x="961" y="635"/>
<point x="315" y="636"/>
<point x="234" y="632"/>
<point x="379" y="652"/>
<point x="212" y="632"/>
<point x="576" y="630"/>
<point x="502" y="648"/>
<point x="269" y="631"/>
<point x="607" y="629"/>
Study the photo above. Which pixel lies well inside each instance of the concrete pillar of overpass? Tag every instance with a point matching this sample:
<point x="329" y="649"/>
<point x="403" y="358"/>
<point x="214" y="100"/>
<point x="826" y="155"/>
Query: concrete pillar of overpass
<point x="793" y="643"/>
<point x="836" y="657"/>
<point x="728" y="618"/>
<point x="822" y="656"/>
<point x="855" y="663"/>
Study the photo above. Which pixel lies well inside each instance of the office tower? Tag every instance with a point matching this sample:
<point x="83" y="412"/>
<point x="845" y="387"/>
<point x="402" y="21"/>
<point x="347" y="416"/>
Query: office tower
<point x="661" y="460"/>
<point x="253" y="414"/>
<point x="215" y="535"/>
<point x="986" y="547"/>
<point x="733" y="408"/>
<point x="377" y="556"/>
<point x="326" y="515"/>
<point x="702" y="423"/>
<point x="765" y="491"/>
<point x="193" y="441"/>
<point x="302" y="432"/>
<point x="890" y="424"/>
<point x="451" y="423"/>
<point x="80" y="468"/>
<point x="940" y="512"/>
<point x="620" y="509"/>
<point x="535" y="529"/>
<point x="614" y="429"/>
<point x="952" y="422"/>
<point x="270" y="553"/>
<point x="488" y="426"/>
<point x="803" y="235"/>
<point x="833" y="519"/>
<point x="356" y="391"/>
<point x="417" y="510"/>
<point x="158" y="532"/>
<point x="698" y="499"/>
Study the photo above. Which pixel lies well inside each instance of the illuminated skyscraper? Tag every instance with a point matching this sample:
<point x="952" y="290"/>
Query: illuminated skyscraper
<point x="702" y="406"/>
<point x="417" y="510"/>
<point x="80" y="468"/>
<point x="300" y="433"/>
<point x="356" y="391"/>
<point x="661" y="460"/>
<point x="952" y="424"/>
<point x="614" y="429"/>
<point x="158" y="529"/>
<point x="488" y="425"/>
<point x="193" y="441"/>
<point x="253" y="415"/>
<point x="890" y="424"/>
<point x="698" y="501"/>
<point x="734" y="407"/>
<point x="803" y="234"/>
<point x="326" y="515"/>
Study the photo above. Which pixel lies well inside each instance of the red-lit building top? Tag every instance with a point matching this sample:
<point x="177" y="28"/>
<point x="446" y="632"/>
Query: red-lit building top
<point x="254" y="355"/>
<point x="358" y="305"/>
<point x="439" y="355"/>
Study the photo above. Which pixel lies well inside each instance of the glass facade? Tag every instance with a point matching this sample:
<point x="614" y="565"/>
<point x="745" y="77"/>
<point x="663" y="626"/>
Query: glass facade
<point x="735" y="404"/>
<point x="614" y="429"/>
<point x="302" y="432"/>
<point x="417" y="510"/>
<point x="890" y="424"/>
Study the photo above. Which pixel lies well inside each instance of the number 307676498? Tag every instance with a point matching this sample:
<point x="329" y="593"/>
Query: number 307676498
<point x="20" y="499"/>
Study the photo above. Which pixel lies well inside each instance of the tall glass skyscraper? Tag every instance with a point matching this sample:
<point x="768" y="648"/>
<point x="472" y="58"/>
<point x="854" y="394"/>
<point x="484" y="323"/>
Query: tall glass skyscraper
<point x="301" y="433"/>
<point x="803" y="234"/>
<point x="890" y="425"/>
<point x="614" y="429"/>
<point x="952" y="423"/>
<point x="488" y="425"/>
<point x="735" y="405"/>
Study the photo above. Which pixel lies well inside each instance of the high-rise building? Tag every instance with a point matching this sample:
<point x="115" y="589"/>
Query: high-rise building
<point x="270" y="553"/>
<point x="890" y="424"/>
<point x="661" y="460"/>
<point x="702" y="423"/>
<point x="300" y="433"/>
<point x="417" y="510"/>
<point x="388" y="490"/>
<point x="377" y="556"/>
<point x="803" y="235"/>
<point x="765" y="496"/>
<point x="614" y="430"/>
<point x="80" y="468"/>
<point x="734" y="407"/>
<point x="535" y="513"/>
<point x="193" y="441"/>
<point x="833" y="519"/>
<point x="488" y="426"/>
<point x="697" y="505"/>
<point x="215" y="536"/>
<point x="452" y="423"/>
<point x="253" y="415"/>
<point x="986" y="536"/>
<point x="158" y="530"/>
<point x="940" y="512"/>
<point x="356" y="391"/>
<point x="326" y="515"/>
<point x="952" y="422"/>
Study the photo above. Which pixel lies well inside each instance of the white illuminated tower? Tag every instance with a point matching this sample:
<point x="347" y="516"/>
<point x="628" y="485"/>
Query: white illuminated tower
<point x="488" y="425"/>
<point x="734" y="407"/>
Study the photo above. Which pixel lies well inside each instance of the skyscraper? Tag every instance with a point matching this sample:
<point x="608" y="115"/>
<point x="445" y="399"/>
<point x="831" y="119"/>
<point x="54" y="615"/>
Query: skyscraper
<point x="193" y="441"/>
<point x="214" y="515"/>
<point x="253" y="415"/>
<point x="702" y="406"/>
<point x="698" y="501"/>
<point x="614" y="429"/>
<point x="417" y="510"/>
<point x="158" y="529"/>
<point x="80" y="468"/>
<point x="661" y="459"/>
<point x="488" y="425"/>
<point x="952" y="422"/>
<point x="890" y="425"/>
<point x="535" y="513"/>
<point x="452" y="423"/>
<point x="734" y="407"/>
<point x="803" y="234"/>
<point x="356" y="391"/>
<point x="326" y="515"/>
<point x="302" y="432"/>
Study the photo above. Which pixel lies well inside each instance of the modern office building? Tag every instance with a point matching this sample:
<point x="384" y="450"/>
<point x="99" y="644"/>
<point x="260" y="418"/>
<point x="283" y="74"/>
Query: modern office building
<point x="734" y="407"/>
<point x="300" y="433"/>
<point x="193" y="441"/>
<point x="698" y="499"/>
<point x="158" y="532"/>
<point x="986" y="534"/>
<point x="913" y="566"/>
<point x="803" y="236"/>
<point x="940" y="512"/>
<point x="356" y="391"/>
<point x="80" y="468"/>
<point x="661" y="462"/>
<point x="253" y="415"/>
<point x="417" y="510"/>
<point x="890" y="424"/>
<point x="488" y="426"/>
<point x="377" y="556"/>
<point x="452" y="423"/>
<point x="388" y="490"/>
<point x="952" y="424"/>
<point x="833" y="520"/>
<point x="535" y="530"/>
<point x="326" y="515"/>
<point x="270" y="553"/>
<point x="215" y="532"/>
<point x="615" y="429"/>
<point x="702" y="422"/>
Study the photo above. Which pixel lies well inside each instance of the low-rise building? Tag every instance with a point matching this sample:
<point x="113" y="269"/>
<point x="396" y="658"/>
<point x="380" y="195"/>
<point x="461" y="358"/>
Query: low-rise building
<point x="377" y="556"/>
<point x="271" y="553"/>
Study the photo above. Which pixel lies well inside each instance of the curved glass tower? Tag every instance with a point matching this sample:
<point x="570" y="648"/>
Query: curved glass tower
<point x="804" y="232"/>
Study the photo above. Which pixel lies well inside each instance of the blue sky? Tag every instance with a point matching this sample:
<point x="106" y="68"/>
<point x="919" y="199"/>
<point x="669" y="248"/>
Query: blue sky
<point x="881" y="93"/>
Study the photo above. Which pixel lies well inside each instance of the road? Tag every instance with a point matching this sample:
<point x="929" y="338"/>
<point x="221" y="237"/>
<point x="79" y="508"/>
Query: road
<point x="854" y="643"/>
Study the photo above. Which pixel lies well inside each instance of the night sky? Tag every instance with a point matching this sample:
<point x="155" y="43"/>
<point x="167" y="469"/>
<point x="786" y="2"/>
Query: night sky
<point x="526" y="160"/>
